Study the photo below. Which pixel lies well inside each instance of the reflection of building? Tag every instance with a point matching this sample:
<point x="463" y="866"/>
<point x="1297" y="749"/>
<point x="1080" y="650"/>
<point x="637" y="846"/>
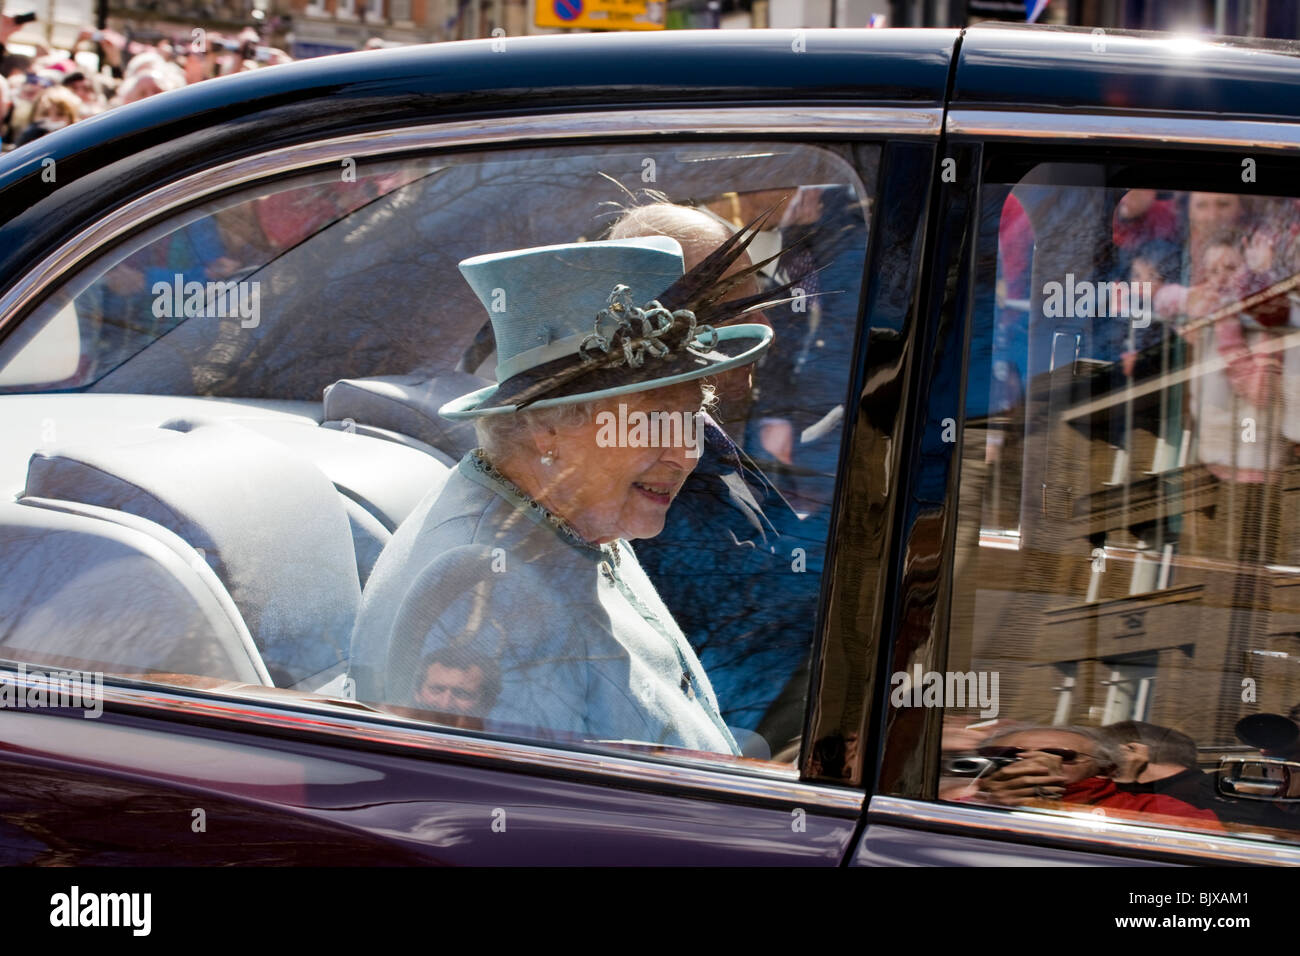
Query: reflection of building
<point x="1137" y="587"/>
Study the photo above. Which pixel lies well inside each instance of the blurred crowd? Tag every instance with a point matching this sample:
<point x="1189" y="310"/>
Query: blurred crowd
<point x="52" y="88"/>
<point x="1220" y="275"/>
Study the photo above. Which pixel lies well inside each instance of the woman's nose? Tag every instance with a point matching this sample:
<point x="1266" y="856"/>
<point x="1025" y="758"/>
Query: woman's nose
<point x="685" y="454"/>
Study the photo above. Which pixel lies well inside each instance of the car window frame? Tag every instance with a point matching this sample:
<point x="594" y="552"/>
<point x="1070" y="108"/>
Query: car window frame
<point x="813" y="127"/>
<point x="905" y="794"/>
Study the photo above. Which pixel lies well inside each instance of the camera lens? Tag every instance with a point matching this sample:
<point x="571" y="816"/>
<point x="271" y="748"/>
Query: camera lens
<point x="968" y="766"/>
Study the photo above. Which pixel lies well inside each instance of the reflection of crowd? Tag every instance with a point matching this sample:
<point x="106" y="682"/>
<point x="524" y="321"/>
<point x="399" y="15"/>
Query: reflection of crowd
<point x="52" y="88"/>
<point x="1205" y="375"/>
<point x="228" y="245"/>
<point x="1128" y="769"/>
<point x="1237" y="249"/>
<point x="1215" y="263"/>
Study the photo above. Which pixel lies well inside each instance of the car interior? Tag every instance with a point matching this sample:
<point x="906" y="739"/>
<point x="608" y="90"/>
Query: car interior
<point x="202" y="501"/>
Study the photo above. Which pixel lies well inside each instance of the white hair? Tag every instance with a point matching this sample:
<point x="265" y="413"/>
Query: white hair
<point x="164" y="76"/>
<point x="502" y="434"/>
<point x="146" y="60"/>
<point x="698" y="230"/>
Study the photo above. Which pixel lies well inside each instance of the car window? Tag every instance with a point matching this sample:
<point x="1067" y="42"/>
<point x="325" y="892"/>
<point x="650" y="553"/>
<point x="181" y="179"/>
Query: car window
<point x="228" y="450"/>
<point x="1123" y="635"/>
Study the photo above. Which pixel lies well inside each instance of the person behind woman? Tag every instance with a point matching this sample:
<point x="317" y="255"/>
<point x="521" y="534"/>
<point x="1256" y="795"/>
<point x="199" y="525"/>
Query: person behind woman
<point x="522" y="557"/>
<point x="723" y="561"/>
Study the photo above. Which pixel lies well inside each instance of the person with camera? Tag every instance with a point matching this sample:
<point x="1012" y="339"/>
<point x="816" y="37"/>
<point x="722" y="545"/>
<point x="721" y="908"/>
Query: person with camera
<point x="1045" y="766"/>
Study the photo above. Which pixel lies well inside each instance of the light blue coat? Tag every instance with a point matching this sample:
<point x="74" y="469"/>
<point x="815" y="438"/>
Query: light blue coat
<point x="585" y="646"/>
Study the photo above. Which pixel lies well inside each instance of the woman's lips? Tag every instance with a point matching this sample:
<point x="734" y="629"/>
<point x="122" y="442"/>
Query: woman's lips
<point x="660" y="494"/>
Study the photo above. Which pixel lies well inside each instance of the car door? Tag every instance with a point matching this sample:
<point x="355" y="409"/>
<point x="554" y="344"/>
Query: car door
<point x="222" y="377"/>
<point x="1095" y="559"/>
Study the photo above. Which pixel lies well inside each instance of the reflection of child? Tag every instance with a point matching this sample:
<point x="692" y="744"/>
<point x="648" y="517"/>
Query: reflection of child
<point x="1155" y="263"/>
<point x="1271" y="257"/>
<point x="1239" y="438"/>
<point x="1274" y="253"/>
<point x="1251" y="374"/>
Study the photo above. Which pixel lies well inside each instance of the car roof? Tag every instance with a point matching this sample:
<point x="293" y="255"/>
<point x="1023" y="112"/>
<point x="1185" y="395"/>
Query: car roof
<point x="426" y="82"/>
<point x="1078" y="69"/>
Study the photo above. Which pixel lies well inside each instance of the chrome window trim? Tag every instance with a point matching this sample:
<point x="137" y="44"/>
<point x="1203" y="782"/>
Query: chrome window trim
<point x="338" y="723"/>
<point x="815" y="122"/>
<point x="1157" y="130"/>
<point x="1078" y="831"/>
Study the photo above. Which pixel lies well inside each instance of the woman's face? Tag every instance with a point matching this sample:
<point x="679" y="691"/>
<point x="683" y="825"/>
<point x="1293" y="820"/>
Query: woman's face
<point x="606" y="482"/>
<point x="1209" y="211"/>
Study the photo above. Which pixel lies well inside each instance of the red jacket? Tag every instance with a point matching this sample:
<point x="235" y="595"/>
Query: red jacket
<point x="1102" y="792"/>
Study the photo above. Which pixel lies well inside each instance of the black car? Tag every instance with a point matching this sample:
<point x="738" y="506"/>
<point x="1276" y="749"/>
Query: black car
<point x="1010" y="571"/>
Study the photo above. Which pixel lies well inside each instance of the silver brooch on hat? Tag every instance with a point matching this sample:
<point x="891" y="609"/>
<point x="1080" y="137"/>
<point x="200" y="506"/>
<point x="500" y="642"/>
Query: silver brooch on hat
<point x="655" y="323"/>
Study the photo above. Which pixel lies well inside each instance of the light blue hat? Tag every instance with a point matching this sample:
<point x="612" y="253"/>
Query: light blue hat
<point x="581" y="320"/>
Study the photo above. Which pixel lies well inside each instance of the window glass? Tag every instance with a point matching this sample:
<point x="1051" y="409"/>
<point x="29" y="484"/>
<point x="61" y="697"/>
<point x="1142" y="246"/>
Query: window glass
<point x="229" y="466"/>
<point x="215" y="259"/>
<point x="1126" y="558"/>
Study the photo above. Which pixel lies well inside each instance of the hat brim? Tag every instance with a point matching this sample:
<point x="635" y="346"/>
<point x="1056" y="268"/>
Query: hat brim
<point x="737" y="345"/>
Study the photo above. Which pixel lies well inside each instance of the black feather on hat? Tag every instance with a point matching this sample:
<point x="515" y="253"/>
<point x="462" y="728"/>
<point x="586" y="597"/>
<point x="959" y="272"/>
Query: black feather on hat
<point x="671" y="336"/>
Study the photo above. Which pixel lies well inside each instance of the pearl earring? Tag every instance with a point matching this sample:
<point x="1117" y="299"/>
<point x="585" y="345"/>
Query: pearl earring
<point x="549" y="458"/>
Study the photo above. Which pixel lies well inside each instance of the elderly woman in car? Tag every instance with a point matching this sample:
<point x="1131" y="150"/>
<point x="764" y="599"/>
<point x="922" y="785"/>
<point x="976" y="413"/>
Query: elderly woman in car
<point x="522" y="557"/>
